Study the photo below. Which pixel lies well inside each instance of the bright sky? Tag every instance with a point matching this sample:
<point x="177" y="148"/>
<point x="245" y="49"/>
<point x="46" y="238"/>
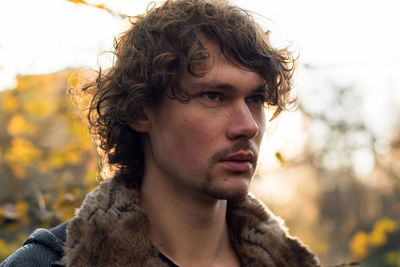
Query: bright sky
<point x="46" y="35"/>
<point x="349" y="41"/>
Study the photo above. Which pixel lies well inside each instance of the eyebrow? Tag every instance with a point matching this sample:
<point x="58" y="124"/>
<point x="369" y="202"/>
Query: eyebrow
<point x="226" y="86"/>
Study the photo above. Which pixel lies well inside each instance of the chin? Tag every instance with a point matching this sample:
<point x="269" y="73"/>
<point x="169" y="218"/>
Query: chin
<point x="232" y="189"/>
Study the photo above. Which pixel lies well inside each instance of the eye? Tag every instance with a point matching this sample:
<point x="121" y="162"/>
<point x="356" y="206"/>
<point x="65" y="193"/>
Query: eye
<point x="256" y="99"/>
<point x="213" y="96"/>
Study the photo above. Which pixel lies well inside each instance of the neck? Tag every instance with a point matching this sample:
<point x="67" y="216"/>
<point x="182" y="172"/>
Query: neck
<point x="187" y="228"/>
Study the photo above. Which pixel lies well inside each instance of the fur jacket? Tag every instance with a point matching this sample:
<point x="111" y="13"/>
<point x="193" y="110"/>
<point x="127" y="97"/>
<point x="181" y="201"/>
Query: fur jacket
<point x="110" y="229"/>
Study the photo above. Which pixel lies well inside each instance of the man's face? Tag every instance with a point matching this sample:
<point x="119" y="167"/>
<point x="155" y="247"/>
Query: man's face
<point x="210" y="145"/>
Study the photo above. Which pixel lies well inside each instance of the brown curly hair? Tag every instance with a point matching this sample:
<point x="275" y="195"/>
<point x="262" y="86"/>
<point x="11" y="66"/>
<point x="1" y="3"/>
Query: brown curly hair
<point x="149" y="58"/>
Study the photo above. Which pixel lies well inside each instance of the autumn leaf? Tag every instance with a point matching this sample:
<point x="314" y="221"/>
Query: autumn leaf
<point x="10" y="103"/>
<point x="99" y="6"/>
<point x="40" y="108"/>
<point x="78" y="1"/>
<point x="6" y="248"/>
<point x="382" y="227"/>
<point x="279" y="157"/>
<point x="363" y="242"/>
<point x="359" y="245"/>
<point x="22" y="152"/>
<point x="22" y="211"/>
<point x="18" y="125"/>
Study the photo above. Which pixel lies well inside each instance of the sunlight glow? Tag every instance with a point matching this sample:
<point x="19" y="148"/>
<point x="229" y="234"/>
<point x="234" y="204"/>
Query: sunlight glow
<point x="349" y="42"/>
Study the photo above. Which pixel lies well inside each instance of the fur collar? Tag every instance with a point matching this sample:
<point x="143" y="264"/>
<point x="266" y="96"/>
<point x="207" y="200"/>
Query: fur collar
<point x="110" y="229"/>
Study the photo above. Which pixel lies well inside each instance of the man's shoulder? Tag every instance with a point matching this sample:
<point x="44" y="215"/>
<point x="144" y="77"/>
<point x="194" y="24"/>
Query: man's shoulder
<point x="262" y="239"/>
<point x="42" y="248"/>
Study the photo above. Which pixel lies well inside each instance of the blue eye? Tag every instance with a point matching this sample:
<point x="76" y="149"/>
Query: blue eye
<point x="213" y="96"/>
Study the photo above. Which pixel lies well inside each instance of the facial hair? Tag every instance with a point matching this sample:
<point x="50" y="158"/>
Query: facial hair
<point x="208" y="187"/>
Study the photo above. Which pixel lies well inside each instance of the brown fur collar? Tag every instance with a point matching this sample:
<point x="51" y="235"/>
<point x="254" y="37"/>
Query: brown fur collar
<point x="110" y="229"/>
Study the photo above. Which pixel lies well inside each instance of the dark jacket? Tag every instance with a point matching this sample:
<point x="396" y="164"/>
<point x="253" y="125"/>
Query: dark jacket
<point x="41" y="248"/>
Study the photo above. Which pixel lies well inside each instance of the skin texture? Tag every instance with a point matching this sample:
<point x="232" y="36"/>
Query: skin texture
<point x="198" y="155"/>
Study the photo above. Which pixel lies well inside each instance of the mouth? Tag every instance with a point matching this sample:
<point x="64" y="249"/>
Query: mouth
<point x="241" y="161"/>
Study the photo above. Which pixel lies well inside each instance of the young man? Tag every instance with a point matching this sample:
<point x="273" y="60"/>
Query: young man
<point x="180" y="117"/>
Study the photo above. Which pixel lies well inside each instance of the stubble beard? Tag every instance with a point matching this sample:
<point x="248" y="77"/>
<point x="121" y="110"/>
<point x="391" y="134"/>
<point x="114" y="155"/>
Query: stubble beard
<point x="221" y="192"/>
<point x="216" y="189"/>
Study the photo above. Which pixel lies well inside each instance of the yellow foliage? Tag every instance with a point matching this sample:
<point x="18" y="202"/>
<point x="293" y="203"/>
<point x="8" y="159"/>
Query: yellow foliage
<point x="22" y="85"/>
<point x="44" y="167"/>
<point x="22" y="208"/>
<point x="377" y="238"/>
<point x="279" y="157"/>
<point x="39" y="107"/>
<point x="362" y="242"/>
<point x="18" y="125"/>
<point x="11" y="227"/>
<point x="73" y="157"/>
<point x="22" y="211"/>
<point x="359" y="245"/>
<point x="69" y="154"/>
<point x="18" y="171"/>
<point x="382" y="227"/>
<point x="56" y="160"/>
<point x="10" y="103"/>
<point x="77" y="1"/>
<point x="393" y="257"/>
<point x="6" y="249"/>
<point x="90" y="177"/>
<point x="66" y="203"/>
<point x="28" y="113"/>
<point x="81" y="132"/>
<point x="386" y="225"/>
<point x="22" y="152"/>
<point x="101" y="6"/>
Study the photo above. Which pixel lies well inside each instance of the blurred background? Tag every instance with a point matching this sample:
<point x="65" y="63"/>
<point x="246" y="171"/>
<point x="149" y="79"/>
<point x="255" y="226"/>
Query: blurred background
<point x="330" y="167"/>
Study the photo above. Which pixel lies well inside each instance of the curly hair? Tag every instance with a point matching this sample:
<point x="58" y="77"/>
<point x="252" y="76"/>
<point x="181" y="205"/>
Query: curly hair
<point x="149" y="58"/>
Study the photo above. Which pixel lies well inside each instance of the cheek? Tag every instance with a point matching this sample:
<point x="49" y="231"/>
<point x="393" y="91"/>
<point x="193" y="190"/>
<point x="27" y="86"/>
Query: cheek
<point x="184" y="135"/>
<point x="194" y="139"/>
<point x="192" y="143"/>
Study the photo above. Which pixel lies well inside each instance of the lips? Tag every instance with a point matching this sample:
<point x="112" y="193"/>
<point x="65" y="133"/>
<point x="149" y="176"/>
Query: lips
<point x="241" y="156"/>
<point x="241" y="161"/>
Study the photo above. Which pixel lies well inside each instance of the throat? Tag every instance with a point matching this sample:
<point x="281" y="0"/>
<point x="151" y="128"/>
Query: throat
<point x="195" y="248"/>
<point x="187" y="231"/>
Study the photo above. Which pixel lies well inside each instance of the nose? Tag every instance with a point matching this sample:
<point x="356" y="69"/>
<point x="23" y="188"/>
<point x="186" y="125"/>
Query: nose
<point x="242" y="123"/>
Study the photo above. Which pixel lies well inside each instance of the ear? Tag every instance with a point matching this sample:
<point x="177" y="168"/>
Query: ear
<point x="142" y="124"/>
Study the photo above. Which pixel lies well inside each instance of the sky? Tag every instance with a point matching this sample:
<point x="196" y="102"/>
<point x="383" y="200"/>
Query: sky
<point x="348" y="42"/>
<point x="45" y="35"/>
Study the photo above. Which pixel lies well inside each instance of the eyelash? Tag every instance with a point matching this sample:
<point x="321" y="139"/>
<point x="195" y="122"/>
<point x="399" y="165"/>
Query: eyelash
<point x="206" y="94"/>
<point x="260" y="98"/>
